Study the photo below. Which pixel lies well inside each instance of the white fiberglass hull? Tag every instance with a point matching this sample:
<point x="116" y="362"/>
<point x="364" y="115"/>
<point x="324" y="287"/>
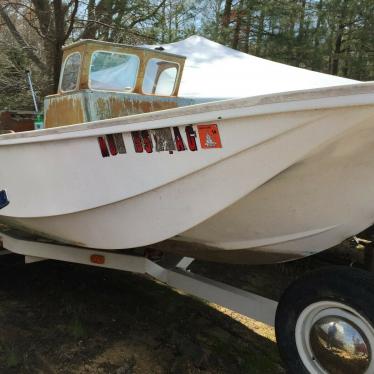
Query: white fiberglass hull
<point x="293" y="175"/>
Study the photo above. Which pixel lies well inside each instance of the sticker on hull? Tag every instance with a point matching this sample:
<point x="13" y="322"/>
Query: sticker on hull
<point x="169" y="139"/>
<point x="209" y="136"/>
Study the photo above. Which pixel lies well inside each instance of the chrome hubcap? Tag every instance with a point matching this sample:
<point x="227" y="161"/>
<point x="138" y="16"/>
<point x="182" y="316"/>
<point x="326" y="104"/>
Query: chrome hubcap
<point x="339" y="344"/>
<point x="334" y="338"/>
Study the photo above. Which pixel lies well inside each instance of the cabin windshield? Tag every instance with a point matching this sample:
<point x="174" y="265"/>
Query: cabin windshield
<point x="113" y="71"/>
<point x="160" y="77"/>
<point x="70" y="75"/>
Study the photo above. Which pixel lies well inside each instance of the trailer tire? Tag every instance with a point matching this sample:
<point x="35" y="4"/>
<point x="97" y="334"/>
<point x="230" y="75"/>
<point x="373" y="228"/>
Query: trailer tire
<point x="325" y="322"/>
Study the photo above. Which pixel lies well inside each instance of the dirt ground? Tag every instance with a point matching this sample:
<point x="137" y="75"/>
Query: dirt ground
<point x="64" y="318"/>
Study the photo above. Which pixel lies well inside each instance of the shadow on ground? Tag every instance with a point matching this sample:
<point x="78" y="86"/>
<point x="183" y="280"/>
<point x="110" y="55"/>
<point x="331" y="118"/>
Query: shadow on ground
<point x="62" y="318"/>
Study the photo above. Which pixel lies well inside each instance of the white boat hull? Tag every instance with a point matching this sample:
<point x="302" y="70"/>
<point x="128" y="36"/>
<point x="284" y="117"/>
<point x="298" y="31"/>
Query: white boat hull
<point x="294" y="176"/>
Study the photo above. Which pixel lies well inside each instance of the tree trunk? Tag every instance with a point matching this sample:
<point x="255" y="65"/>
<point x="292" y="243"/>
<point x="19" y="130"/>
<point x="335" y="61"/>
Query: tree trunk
<point x="226" y="14"/>
<point x="337" y="51"/>
<point x="260" y="33"/>
<point x="339" y="39"/>
<point x="59" y="15"/>
<point x="226" y="21"/>
<point x="238" y="25"/>
<point x="90" y="29"/>
<point x="247" y="32"/>
<point x="300" y="36"/>
<point x="163" y="31"/>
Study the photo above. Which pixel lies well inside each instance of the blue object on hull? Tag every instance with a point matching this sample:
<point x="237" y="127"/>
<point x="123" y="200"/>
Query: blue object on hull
<point x="3" y="199"/>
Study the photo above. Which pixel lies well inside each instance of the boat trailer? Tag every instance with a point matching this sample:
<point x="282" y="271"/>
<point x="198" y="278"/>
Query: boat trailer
<point x="324" y="321"/>
<point x="177" y="276"/>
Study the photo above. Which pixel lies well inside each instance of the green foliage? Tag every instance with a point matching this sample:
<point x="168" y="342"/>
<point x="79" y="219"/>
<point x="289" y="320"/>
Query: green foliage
<point x="331" y="36"/>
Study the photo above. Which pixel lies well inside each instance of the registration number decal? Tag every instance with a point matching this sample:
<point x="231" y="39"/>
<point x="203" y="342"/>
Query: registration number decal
<point x="168" y="139"/>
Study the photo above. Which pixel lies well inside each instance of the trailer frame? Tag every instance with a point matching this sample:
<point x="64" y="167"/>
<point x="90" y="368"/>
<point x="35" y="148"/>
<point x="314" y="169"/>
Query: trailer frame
<point x="178" y="276"/>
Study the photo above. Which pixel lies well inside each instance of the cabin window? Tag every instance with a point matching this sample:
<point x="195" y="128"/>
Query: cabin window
<point x="160" y="77"/>
<point x="113" y="71"/>
<point x="70" y="75"/>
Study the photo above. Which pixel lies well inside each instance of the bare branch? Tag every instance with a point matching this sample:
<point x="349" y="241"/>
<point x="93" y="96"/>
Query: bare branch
<point x="147" y="16"/>
<point x="116" y="28"/>
<point x="72" y="20"/>
<point x="30" y="23"/>
<point x="18" y="37"/>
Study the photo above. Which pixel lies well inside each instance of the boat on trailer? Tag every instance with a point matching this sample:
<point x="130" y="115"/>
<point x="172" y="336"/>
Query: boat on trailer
<point x="124" y="162"/>
<point x="252" y="180"/>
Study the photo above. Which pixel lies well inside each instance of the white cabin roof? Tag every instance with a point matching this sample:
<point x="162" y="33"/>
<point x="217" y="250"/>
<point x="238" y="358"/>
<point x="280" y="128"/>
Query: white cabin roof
<point x="213" y="70"/>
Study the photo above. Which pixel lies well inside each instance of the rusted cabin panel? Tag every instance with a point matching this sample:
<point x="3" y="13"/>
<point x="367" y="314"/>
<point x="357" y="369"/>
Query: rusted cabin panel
<point x="102" y="105"/>
<point x="61" y="110"/>
<point x="87" y="105"/>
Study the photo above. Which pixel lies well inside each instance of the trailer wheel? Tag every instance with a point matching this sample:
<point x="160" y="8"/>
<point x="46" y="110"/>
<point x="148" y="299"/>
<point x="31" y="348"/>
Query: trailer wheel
<point x="325" y="322"/>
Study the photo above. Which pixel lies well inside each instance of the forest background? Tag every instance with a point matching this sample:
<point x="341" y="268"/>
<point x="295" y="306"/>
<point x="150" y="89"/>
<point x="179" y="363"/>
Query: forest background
<point x="330" y="36"/>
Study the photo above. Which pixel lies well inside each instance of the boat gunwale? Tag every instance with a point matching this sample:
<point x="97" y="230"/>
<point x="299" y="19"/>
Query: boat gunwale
<point x="211" y="111"/>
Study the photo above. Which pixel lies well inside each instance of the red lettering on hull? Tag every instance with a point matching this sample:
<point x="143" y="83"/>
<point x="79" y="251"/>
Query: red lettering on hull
<point x="191" y="138"/>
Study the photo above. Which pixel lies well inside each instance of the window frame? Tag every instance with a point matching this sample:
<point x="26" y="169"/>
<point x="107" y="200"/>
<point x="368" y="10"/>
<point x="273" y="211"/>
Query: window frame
<point x="113" y="90"/>
<point x="176" y="77"/>
<point x="63" y="71"/>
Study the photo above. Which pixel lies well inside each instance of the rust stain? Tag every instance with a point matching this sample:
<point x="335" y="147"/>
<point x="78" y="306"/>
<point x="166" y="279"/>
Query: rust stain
<point x="145" y="106"/>
<point x="117" y="107"/>
<point x="102" y="109"/>
<point x="113" y="106"/>
<point x="64" y="110"/>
